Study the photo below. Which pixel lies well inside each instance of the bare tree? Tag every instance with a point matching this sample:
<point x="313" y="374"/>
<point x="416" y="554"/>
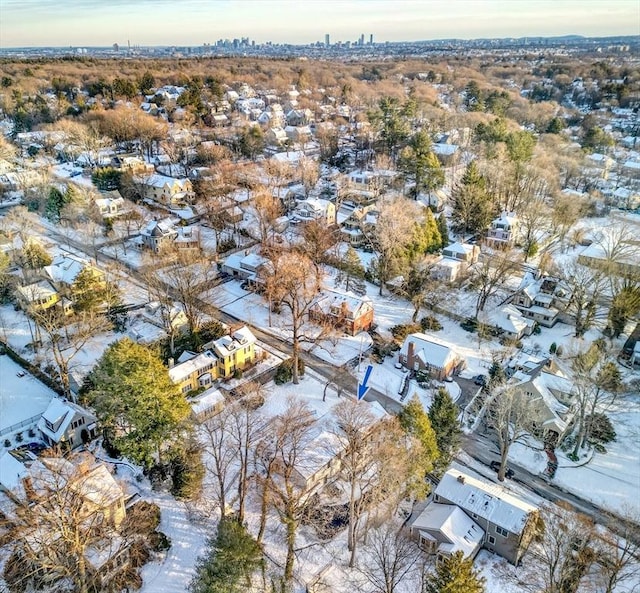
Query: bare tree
<point x="354" y="424"/>
<point x="511" y="413"/>
<point x="57" y="524"/>
<point x="392" y="233"/>
<point x="246" y="427"/>
<point x="294" y="430"/>
<point x="585" y="286"/>
<point x="222" y="455"/>
<point x="490" y="273"/>
<point x="562" y="552"/>
<point x="392" y="558"/>
<point x="597" y="382"/>
<point x="292" y="282"/>
<point x="266" y="209"/>
<point x="67" y="336"/>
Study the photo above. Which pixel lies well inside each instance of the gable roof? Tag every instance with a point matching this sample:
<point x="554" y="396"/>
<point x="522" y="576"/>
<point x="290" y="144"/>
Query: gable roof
<point x="64" y="412"/>
<point x="429" y="350"/>
<point x="65" y="269"/>
<point x="486" y="500"/>
<point x="194" y="364"/>
<point x="461" y="531"/>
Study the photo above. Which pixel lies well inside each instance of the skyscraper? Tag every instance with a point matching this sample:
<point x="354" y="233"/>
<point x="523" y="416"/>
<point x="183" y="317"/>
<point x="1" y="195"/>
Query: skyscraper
<point x="327" y="40"/>
<point x="371" y="39"/>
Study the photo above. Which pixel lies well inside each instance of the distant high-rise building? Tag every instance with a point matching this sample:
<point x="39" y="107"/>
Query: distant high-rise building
<point x="327" y="40"/>
<point x="371" y="39"/>
<point x="361" y="42"/>
<point x="116" y="47"/>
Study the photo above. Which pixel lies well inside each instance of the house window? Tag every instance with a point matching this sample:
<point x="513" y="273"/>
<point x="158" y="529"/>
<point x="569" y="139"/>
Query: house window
<point x="502" y="532"/>
<point x="492" y="540"/>
<point x="186" y="388"/>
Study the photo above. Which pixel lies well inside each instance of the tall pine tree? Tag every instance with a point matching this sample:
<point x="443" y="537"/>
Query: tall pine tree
<point x="455" y="575"/>
<point x="415" y="422"/>
<point x="351" y="272"/>
<point x="443" y="415"/>
<point x="473" y="208"/>
<point x="142" y="412"/>
<point x="444" y="231"/>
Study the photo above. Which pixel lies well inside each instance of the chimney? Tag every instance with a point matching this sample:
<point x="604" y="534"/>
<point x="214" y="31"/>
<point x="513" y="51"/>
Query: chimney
<point x="410" y="355"/>
<point x="171" y="363"/>
<point x="461" y="479"/>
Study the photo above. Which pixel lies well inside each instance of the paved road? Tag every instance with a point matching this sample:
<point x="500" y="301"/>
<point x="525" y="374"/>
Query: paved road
<point x="485" y="451"/>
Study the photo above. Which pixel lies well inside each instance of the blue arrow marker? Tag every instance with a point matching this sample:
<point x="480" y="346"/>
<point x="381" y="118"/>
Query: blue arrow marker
<point x="363" y="387"/>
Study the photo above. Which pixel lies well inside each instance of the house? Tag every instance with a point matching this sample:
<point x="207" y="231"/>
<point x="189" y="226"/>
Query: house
<point x="206" y="404"/>
<point x="315" y="209"/>
<point x="65" y="271"/>
<point x="444" y="529"/>
<point x="187" y="239"/>
<point x="346" y="311"/>
<point x="436" y="200"/>
<point x="421" y="352"/>
<point x="455" y="261"/>
<point x="541" y="299"/>
<point x="244" y="266"/>
<point x="234" y="352"/>
<point x="194" y="370"/>
<point x="67" y="424"/>
<point x="131" y="164"/>
<point x="511" y="323"/>
<point x="220" y="359"/>
<point x="357" y="226"/>
<point x="110" y="207"/>
<point x="276" y="137"/>
<point x="158" y="235"/>
<point x="550" y="392"/>
<point x="300" y="134"/>
<point x="38" y="296"/>
<point x="164" y="190"/>
<point x="509" y="523"/>
<point x="503" y="232"/>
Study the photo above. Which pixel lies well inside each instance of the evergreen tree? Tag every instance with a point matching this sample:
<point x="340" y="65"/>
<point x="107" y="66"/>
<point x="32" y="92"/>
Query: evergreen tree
<point x="34" y="256"/>
<point x="426" y="237"/>
<point x="55" y="203"/>
<point x="420" y="164"/>
<point x="91" y="292"/>
<point x="142" y="412"/>
<point x="251" y="141"/>
<point x="444" y="231"/>
<point x="443" y="415"/>
<point x="415" y="422"/>
<point x="351" y="272"/>
<point x="231" y="558"/>
<point x="455" y="575"/>
<point x="473" y="208"/>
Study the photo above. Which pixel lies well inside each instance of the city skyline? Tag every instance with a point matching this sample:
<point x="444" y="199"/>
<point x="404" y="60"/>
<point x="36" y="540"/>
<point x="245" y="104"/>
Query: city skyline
<point x="39" y="23"/>
<point x="26" y="23"/>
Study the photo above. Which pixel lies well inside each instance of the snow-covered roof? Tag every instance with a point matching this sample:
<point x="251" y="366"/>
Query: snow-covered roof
<point x="11" y="471"/>
<point x="34" y="292"/>
<point x="460" y="248"/>
<point x="462" y="532"/>
<point x="429" y="350"/>
<point x="65" y="268"/>
<point x="489" y="501"/>
<point x="98" y="486"/>
<point x="60" y="414"/>
<point x="185" y="369"/>
<point x="207" y="400"/>
<point x="240" y="338"/>
<point x="509" y="319"/>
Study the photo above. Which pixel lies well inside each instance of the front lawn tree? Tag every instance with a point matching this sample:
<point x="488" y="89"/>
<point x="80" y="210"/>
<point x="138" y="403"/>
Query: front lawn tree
<point x="292" y="282"/>
<point x="512" y="414"/>
<point x="443" y="414"/>
<point x="473" y="206"/>
<point x="455" y="574"/>
<point x="142" y="412"/>
<point x="420" y="165"/>
<point x="490" y="273"/>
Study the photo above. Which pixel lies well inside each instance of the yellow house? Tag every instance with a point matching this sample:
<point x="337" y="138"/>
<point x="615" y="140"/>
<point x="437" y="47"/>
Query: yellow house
<point x="235" y="352"/>
<point x="221" y="359"/>
<point x="166" y="190"/>
<point x="39" y="296"/>
<point x="194" y="371"/>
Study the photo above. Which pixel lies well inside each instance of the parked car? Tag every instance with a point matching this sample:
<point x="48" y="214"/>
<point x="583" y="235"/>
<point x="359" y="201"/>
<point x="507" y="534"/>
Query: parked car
<point x="480" y="380"/>
<point x="33" y="447"/>
<point x="495" y="466"/>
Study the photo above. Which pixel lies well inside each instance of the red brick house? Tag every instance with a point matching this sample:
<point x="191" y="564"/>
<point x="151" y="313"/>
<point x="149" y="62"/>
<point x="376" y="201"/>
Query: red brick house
<point x="348" y="312"/>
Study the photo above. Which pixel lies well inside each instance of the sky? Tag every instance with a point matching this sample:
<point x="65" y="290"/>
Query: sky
<point x="86" y="23"/>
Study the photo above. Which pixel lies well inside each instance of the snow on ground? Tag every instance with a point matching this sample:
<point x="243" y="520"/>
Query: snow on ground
<point x="611" y="479"/>
<point x="21" y="397"/>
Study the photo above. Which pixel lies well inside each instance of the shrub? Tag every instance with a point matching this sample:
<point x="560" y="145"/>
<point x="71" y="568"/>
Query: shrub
<point x="159" y="541"/>
<point x="553" y="348"/>
<point x="19" y="437"/>
<point x="187" y="472"/>
<point x="237" y="374"/>
<point x="430" y="323"/>
<point x="284" y="374"/>
<point x="602" y="430"/>
<point x="32" y="433"/>
<point x="402" y="330"/>
<point x="7" y="443"/>
<point x="470" y="324"/>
